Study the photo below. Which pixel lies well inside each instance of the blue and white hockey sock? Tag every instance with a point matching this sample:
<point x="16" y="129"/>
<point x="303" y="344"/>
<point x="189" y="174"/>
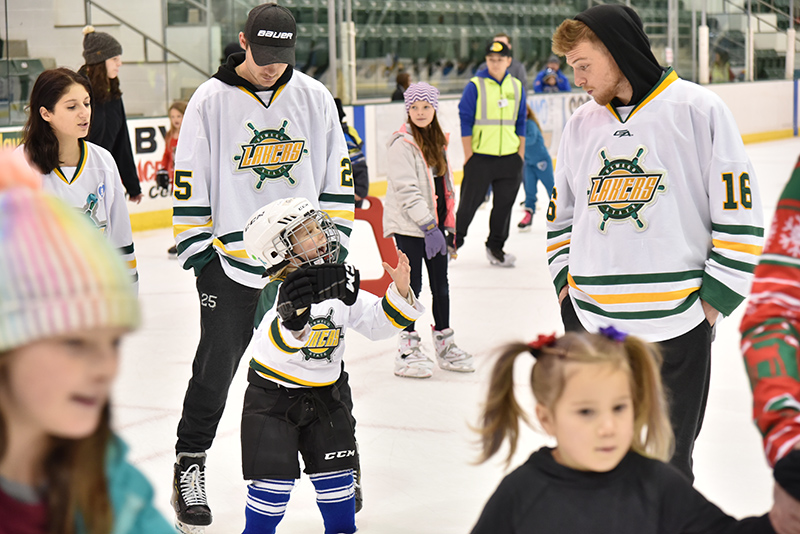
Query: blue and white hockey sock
<point x="266" y="504"/>
<point x="336" y="500"/>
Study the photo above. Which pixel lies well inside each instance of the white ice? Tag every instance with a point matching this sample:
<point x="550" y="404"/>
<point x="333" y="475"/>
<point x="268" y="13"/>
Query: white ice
<point x="417" y="449"/>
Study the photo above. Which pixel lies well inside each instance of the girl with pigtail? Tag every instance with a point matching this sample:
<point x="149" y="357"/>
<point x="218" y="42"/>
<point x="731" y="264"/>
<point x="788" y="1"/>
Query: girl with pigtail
<point x="600" y="396"/>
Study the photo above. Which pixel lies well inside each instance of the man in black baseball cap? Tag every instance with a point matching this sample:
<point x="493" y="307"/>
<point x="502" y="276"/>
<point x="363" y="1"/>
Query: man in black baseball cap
<point x="271" y="32"/>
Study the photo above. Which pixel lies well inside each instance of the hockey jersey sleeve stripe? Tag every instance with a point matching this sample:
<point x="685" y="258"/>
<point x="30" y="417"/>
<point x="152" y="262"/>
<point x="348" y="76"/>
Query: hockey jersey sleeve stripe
<point x="557" y="254"/>
<point x="186" y="243"/>
<point x="236" y="252"/>
<point x="558" y="245"/>
<point x="132" y="264"/>
<point x="126" y="250"/>
<point x="626" y="279"/>
<point x="639" y="315"/>
<point x="269" y="372"/>
<point x="630" y="298"/>
<point x="347" y="215"/>
<point x="560" y="279"/>
<point x="231" y="237"/>
<point x="738" y="229"/>
<point x="342" y="199"/>
<point x="199" y="260"/>
<point x="344" y="229"/>
<point x="731" y="264"/>
<point x="556" y="233"/>
<point x="738" y="247"/>
<point x="252" y="269"/>
<point x="191" y="211"/>
<point x="277" y="339"/>
<point x="178" y="229"/>
<point x="720" y="296"/>
<point x="395" y="316"/>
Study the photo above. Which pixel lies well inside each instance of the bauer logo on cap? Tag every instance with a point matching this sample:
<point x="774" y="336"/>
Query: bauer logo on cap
<point x="271" y="34"/>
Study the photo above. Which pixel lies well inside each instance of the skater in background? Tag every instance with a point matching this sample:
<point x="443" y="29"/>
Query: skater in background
<point x="296" y="398"/>
<point x="600" y="396"/>
<point x="66" y="302"/>
<point x="538" y="168"/>
<point x="102" y="56"/>
<point x="419" y="208"/>
<point x="81" y="173"/>
<point x="165" y="174"/>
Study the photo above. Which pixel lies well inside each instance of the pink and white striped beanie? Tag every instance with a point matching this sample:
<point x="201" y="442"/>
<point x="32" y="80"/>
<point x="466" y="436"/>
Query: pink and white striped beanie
<point x="58" y="274"/>
<point x="421" y="91"/>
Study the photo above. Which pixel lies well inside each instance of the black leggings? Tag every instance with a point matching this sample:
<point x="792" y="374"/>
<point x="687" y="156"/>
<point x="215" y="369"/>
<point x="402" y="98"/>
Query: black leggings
<point x="414" y="248"/>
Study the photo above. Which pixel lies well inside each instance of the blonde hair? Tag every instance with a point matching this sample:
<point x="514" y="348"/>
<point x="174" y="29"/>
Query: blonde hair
<point x="570" y="34"/>
<point x="499" y="420"/>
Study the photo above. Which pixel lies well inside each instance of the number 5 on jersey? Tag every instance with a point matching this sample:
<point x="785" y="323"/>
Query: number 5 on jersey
<point x="183" y="189"/>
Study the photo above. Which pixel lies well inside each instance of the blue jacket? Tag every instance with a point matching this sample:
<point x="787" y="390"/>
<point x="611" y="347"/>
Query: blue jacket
<point x="131" y="496"/>
<point x="561" y="81"/>
<point x="535" y="150"/>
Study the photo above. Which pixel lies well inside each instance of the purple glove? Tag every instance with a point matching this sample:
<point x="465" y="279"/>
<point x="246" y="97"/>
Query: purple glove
<point x="434" y="240"/>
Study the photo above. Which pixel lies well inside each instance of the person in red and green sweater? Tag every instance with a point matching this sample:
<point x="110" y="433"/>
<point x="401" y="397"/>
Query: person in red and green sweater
<point x="770" y="340"/>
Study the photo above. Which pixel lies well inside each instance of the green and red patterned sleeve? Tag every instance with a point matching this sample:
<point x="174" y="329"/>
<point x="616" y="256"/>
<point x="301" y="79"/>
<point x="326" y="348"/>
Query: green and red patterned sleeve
<point x="771" y="329"/>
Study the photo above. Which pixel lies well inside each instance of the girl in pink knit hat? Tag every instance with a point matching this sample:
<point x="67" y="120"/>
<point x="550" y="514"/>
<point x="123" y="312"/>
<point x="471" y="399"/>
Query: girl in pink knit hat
<point x="420" y="207"/>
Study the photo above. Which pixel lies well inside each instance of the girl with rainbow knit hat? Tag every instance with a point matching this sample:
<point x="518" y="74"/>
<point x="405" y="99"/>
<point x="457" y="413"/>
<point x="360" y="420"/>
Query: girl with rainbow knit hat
<point x="66" y="300"/>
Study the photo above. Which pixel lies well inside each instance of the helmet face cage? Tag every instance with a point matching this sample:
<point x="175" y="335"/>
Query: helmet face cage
<point x="311" y="240"/>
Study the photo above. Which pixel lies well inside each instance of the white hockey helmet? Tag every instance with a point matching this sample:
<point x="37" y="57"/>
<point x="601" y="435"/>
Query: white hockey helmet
<point x="283" y="230"/>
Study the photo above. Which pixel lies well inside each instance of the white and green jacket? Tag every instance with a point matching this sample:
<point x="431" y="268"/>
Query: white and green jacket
<point x="240" y="149"/>
<point x="654" y="208"/>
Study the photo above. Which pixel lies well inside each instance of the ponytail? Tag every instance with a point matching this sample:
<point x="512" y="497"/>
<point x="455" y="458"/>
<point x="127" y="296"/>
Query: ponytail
<point x="652" y="435"/>
<point x="501" y="414"/>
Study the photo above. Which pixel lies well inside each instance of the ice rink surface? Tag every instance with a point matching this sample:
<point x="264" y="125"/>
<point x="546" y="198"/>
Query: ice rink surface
<point x="417" y="449"/>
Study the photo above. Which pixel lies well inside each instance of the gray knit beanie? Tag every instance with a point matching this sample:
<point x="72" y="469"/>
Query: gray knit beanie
<point x="99" y="46"/>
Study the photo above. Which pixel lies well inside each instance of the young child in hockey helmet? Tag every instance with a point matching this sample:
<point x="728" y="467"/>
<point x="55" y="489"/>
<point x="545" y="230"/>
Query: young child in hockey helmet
<point x="291" y="231"/>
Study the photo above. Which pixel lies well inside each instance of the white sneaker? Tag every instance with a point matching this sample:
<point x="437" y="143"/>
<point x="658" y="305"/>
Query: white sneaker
<point x="410" y="361"/>
<point x="448" y="355"/>
<point x="500" y="258"/>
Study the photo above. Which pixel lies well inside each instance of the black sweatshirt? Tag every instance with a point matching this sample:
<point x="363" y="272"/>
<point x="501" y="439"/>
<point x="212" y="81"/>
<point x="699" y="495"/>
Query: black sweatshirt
<point x="639" y="496"/>
<point x="110" y="131"/>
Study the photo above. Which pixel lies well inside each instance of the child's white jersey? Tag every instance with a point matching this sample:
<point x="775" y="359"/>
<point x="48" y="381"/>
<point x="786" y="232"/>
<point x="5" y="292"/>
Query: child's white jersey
<point x="240" y="149"/>
<point x="95" y="188"/>
<point x="653" y="212"/>
<point x="315" y="358"/>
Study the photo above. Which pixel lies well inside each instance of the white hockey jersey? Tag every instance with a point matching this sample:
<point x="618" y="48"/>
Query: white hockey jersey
<point x="95" y="188"/>
<point x="653" y="212"/>
<point x="240" y="149"/>
<point x="315" y="359"/>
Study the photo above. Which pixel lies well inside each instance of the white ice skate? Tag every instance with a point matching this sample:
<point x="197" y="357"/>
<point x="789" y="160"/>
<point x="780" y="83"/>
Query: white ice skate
<point x="410" y="361"/>
<point x="448" y="355"/>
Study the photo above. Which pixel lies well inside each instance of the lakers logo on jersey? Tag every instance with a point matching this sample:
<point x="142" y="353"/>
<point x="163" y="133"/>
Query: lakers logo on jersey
<point x="325" y="337"/>
<point x="623" y="189"/>
<point x="271" y="155"/>
<point x="90" y="207"/>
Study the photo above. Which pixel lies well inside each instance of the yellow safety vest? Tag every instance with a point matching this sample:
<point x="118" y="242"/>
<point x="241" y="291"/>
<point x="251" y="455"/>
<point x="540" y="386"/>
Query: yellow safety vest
<point x="494" y="130"/>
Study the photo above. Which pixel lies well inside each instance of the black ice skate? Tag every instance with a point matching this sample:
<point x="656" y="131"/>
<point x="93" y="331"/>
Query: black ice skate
<point x="189" y="494"/>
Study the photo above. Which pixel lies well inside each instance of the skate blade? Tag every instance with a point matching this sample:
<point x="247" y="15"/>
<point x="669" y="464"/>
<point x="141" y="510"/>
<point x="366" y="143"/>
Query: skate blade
<point x="183" y="528"/>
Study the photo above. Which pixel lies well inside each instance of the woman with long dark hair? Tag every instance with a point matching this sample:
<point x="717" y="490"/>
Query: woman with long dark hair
<point x="81" y="173"/>
<point x="103" y="58"/>
<point x="420" y="206"/>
